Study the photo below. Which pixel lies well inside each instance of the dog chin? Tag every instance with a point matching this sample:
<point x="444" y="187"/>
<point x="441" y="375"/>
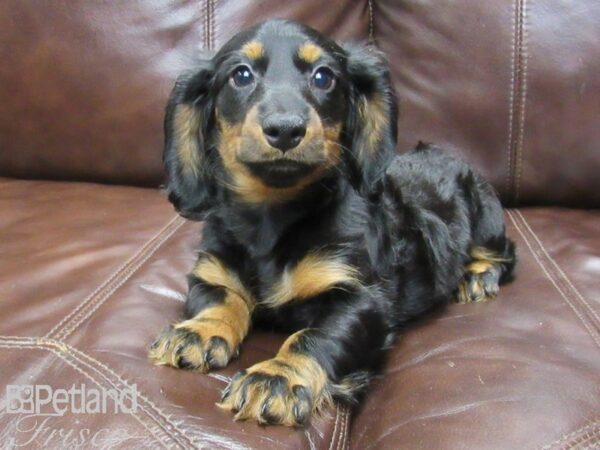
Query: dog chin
<point x="280" y="174"/>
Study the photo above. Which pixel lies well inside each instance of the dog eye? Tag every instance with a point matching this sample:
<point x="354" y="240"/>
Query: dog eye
<point x="323" y="78"/>
<point x="242" y="76"/>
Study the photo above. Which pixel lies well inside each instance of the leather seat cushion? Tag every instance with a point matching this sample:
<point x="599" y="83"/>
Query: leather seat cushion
<point x="91" y="273"/>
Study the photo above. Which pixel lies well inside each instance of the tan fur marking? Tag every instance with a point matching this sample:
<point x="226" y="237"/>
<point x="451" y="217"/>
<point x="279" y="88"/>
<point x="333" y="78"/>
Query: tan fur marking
<point x="486" y="254"/>
<point x="462" y="294"/>
<point x="314" y="274"/>
<point x="479" y="266"/>
<point x="213" y="272"/>
<point x="237" y="138"/>
<point x="474" y="288"/>
<point x="296" y="369"/>
<point x="309" y="52"/>
<point x="253" y="50"/>
<point x="230" y="137"/>
<point x="374" y="118"/>
<point x="333" y="148"/>
<point x="308" y="372"/>
<point x="231" y="320"/>
<point x="187" y="134"/>
<point x="190" y="344"/>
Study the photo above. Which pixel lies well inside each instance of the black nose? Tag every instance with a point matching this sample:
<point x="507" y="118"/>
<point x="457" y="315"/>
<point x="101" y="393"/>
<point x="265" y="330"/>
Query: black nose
<point x="283" y="131"/>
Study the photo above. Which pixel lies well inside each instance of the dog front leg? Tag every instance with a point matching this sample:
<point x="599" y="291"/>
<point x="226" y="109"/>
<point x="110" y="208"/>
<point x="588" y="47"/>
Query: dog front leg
<point x="219" y="311"/>
<point x="333" y="359"/>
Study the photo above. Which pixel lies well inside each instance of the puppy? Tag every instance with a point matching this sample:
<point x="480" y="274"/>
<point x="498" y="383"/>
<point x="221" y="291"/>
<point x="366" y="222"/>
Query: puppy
<point x="284" y="143"/>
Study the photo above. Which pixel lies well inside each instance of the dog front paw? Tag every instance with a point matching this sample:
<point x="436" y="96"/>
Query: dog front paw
<point x="195" y="345"/>
<point x="279" y="391"/>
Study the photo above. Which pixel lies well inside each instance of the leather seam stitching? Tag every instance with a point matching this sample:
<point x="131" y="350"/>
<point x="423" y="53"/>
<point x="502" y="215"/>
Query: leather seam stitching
<point x="78" y="355"/>
<point x="213" y="17"/>
<point x="347" y="434"/>
<point x="335" y="426"/>
<point x="206" y="26"/>
<point x="516" y="126"/>
<point x="589" y="438"/>
<point x="583" y="320"/>
<point x="344" y="433"/>
<point x="560" y="271"/>
<point x="102" y="285"/>
<point x="110" y="286"/>
<point x="58" y="349"/>
<point x="511" y="101"/>
<point x="573" y="434"/>
<point x="342" y="430"/>
<point x="209" y="37"/>
<point x="371" y="22"/>
<point x="524" y="60"/>
<point x="159" y="240"/>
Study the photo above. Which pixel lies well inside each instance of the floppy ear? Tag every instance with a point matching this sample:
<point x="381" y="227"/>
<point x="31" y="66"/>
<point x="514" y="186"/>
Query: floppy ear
<point x="372" y="119"/>
<point x="191" y="185"/>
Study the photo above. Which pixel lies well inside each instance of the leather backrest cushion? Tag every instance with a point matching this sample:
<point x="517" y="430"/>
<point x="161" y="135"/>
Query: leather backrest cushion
<point x="83" y="83"/>
<point x="512" y="85"/>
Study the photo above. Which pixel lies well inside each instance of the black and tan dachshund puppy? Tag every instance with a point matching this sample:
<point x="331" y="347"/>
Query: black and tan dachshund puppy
<point x="284" y="143"/>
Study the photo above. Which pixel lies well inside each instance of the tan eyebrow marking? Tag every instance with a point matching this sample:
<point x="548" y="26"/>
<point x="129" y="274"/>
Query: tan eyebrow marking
<point x="253" y="49"/>
<point x="309" y="52"/>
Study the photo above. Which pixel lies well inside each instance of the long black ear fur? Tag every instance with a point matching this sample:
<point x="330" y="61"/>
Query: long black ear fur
<point x="372" y="119"/>
<point x="191" y="185"/>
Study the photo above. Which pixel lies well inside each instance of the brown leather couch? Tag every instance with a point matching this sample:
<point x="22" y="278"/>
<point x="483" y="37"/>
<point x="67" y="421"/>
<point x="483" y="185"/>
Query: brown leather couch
<point x="92" y="256"/>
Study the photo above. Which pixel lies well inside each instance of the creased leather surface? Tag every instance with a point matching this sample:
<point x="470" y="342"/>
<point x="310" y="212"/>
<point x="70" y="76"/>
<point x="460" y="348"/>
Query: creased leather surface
<point x="60" y="241"/>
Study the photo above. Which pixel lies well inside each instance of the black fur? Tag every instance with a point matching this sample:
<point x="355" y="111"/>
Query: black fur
<point x="406" y="222"/>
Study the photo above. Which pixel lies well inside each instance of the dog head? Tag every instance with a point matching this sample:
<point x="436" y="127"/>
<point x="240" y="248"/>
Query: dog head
<point x="279" y="108"/>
